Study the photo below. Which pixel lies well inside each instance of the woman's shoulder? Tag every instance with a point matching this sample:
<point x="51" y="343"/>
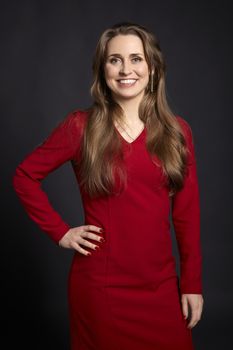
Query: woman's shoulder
<point x="78" y="115"/>
<point x="183" y="122"/>
<point x="185" y="126"/>
<point x="75" y="119"/>
<point x="187" y="132"/>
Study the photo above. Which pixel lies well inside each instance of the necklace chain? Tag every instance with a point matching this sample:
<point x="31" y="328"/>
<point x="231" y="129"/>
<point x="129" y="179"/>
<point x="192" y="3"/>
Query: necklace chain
<point x="129" y="134"/>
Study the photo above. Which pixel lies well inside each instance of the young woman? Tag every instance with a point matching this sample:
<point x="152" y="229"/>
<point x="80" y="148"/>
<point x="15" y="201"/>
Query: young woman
<point x="134" y="161"/>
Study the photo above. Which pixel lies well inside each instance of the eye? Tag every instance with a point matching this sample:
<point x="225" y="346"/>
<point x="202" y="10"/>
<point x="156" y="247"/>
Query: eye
<point x="137" y="59"/>
<point x="113" y="60"/>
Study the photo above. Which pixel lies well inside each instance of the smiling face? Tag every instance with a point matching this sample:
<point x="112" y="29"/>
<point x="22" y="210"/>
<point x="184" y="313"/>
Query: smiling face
<point x="126" y="70"/>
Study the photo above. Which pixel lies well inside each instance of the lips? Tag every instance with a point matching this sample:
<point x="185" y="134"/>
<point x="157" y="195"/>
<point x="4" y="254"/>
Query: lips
<point x="126" y="82"/>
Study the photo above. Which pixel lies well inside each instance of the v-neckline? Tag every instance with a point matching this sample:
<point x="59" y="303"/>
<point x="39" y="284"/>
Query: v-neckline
<point x="135" y="140"/>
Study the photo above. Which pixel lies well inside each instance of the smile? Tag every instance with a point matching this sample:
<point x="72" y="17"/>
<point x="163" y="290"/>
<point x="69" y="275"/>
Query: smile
<point x="127" y="82"/>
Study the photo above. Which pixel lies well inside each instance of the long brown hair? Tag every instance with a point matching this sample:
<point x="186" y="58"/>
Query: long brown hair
<point x="101" y="147"/>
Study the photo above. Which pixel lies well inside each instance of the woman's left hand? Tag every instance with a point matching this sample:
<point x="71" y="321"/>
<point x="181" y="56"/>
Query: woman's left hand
<point x="195" y="301"/>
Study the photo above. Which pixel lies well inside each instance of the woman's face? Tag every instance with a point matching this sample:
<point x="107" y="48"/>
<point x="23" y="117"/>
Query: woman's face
<point x="126" y="70"/>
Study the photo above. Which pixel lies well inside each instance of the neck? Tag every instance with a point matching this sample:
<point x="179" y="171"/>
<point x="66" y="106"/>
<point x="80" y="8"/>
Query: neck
<point x="130" y="108"/>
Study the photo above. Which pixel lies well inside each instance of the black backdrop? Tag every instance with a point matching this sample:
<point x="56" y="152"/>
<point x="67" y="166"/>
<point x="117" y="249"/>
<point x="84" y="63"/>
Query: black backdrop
<point x="46" y="53"/>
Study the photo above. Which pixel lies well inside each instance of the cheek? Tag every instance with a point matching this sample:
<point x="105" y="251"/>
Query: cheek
<point x="110" y="72"/>
<point x="143" y="71"/>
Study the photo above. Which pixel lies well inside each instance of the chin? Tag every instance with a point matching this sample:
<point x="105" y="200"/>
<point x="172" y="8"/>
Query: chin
<point x="128" y="95"/>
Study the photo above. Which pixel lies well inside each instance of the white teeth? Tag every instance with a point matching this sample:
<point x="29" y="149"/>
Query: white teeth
<point x="128" y="81"/>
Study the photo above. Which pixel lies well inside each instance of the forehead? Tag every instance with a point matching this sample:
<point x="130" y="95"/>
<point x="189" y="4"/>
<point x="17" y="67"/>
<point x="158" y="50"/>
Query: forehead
<point x="125" y="44"/>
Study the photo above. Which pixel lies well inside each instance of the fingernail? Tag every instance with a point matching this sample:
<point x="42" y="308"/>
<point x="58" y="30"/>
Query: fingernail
<point x="102" y="239"/>
<point x="101" y="230"/>
<point x="88" y="253"/>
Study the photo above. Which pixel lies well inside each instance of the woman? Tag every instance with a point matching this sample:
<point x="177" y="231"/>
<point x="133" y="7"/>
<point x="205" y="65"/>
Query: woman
<point x="134" y="162"/>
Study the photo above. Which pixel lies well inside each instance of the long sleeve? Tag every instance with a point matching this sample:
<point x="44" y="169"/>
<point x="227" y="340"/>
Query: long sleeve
<point x="59" y="147"/>
<point x="186" y="221"/>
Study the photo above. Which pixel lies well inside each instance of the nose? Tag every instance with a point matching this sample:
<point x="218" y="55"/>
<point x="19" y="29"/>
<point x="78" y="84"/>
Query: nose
<point x="125" y="68"/>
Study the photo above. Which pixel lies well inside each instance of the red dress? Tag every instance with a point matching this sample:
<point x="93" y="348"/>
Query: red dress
<point x="126" y="295"/>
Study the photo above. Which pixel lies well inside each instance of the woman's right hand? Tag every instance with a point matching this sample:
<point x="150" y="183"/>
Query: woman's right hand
<point x="76" y="236"/>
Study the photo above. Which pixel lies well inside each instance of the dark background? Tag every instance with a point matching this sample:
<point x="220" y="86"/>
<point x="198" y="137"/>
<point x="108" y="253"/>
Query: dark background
<point x="46" y="54"/>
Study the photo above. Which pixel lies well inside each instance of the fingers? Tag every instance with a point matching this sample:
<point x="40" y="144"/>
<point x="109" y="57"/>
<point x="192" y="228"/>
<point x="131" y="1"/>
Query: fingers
<point x="196" y="311"/>
<point x="92" y="228"/>
<point x="75" y="238"/>
<point x="86" y="243"/>
<point x="79" y="249"/>
<point x="185" y="307"/>
<point x="196" y="304"/>
<point x="86" y="232"/>
<point x="194" y="319"/>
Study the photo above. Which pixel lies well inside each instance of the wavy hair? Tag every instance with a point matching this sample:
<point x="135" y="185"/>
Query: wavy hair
<point x="101" y="162"/>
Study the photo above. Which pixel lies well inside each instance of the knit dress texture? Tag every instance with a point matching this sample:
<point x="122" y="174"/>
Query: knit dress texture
<point x="127" y="294"/>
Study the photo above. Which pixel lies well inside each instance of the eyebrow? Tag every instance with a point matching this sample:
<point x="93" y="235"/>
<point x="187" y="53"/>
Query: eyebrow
<point x="131" y="55"/>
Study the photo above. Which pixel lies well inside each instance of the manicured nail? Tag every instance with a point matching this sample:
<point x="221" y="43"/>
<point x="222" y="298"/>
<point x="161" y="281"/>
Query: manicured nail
<point x="101" y="230"/>
<point x="88" y="253"/>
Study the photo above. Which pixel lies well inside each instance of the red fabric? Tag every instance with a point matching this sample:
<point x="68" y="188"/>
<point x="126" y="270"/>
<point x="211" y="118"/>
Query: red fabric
<point x="126" y="295"/>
